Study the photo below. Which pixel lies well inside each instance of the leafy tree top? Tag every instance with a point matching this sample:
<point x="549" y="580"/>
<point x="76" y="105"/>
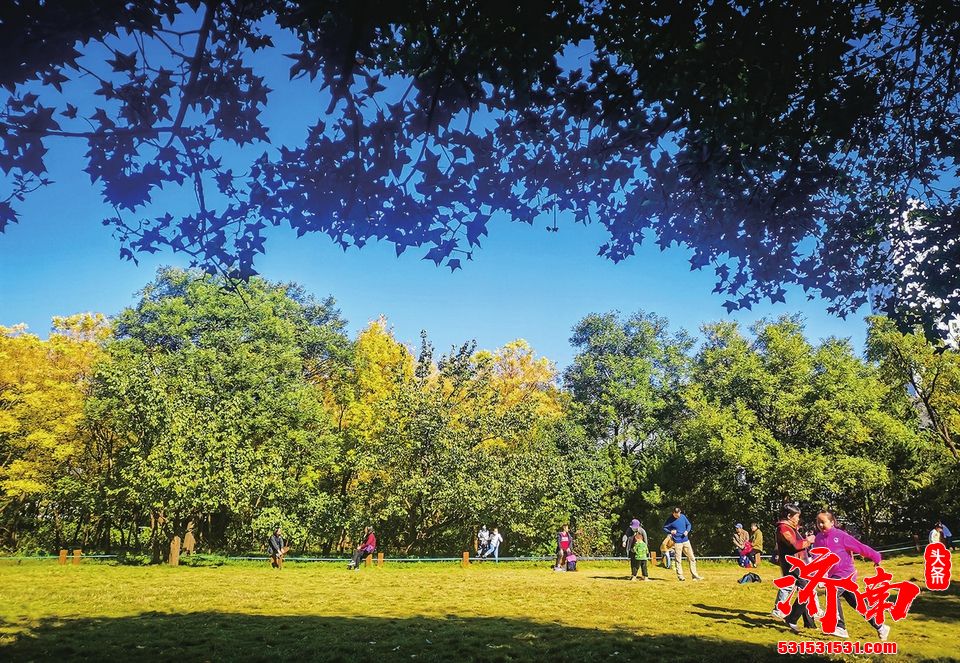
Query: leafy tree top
<point x="797" y="143"/>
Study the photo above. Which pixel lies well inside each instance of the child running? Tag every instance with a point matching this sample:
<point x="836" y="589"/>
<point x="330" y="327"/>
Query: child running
<point x="845" y="546"/>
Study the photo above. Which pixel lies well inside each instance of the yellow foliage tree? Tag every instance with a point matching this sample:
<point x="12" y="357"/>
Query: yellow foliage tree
<point x="42" y="386"/>
<point x="522" y="378"/>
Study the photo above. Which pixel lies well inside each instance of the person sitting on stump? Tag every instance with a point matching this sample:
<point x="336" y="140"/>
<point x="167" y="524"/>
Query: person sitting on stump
<point x="366" y="547"/>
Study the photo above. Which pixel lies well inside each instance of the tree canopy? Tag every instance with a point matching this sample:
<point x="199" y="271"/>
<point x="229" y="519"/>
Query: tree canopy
<point x="809" y="144"/>
<point x="229" y="411"/>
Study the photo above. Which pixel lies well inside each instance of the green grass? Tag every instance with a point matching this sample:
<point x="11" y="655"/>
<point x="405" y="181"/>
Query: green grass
<point x="417" y="612"/>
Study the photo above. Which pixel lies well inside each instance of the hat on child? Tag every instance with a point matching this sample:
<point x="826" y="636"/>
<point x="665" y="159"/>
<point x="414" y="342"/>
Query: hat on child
<point x="634" y="524"/>
<point x="739" y="525"/>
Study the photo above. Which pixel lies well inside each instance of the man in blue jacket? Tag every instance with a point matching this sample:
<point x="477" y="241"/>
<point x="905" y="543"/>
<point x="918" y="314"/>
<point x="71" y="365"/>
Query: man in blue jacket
<point x="679" y="527"/>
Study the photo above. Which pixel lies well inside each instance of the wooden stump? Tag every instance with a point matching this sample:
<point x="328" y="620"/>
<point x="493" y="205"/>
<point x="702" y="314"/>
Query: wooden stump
<point x="653" y="557"/>
<point x="465" y="562"/>
<point x="174" y="559"/>
<point x="368" y="561"/>
<point x="63" y="556"/>
<point x="76" y="556"/>
<point x="379" y="559"/>
<point x="189" y="542"/>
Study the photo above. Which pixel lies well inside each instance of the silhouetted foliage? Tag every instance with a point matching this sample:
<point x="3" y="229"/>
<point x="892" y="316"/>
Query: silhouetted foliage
<point x="800" y="143"/>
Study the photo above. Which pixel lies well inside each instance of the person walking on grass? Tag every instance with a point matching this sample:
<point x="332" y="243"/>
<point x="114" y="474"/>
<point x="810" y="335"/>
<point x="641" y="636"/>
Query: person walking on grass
<point x="789" y="542"/>
<point x="277" y="548"/>
<point x="366" y="547"/>
<point x="564" y="546"/>
<point x="845" y="546"/>
<point x="678" y="526"/>
<point x="635" y="542"/>
<point x="493" y="545"/>
<point x="756" y="540"/>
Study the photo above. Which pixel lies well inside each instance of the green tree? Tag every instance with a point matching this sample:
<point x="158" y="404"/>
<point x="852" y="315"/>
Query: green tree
<point x="929" y="371"/>
<point x="627" y="381"/>
<point x="775" y="418"/>
<point x="208" y="390"/>
<point x="626" y="378"/>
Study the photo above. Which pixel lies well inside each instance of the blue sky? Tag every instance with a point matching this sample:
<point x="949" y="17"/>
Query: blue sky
<point x="524" y="282"/>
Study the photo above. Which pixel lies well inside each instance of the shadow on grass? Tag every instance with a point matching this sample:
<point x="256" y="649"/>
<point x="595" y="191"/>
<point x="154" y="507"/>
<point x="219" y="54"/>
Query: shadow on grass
<point x="747" y="618"/>
<point x="220" y="637"/>
<point x="940" y="606"/>
<point x="626" y="578"/>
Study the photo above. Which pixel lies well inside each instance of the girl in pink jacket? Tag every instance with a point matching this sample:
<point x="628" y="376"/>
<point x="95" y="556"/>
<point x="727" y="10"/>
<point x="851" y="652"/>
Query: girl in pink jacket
<point x="845" y="546"/>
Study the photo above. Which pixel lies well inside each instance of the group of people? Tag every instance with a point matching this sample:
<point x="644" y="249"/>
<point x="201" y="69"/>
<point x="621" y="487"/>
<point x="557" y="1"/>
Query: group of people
<point x="791" y="542"/>
<point x="277" y="548"/>
<point x="488" y="543"/>
<point x="748" y="545"/>
<point x="675" y="545"/>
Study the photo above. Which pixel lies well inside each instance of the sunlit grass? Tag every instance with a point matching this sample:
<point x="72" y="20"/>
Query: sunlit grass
<point x="416" y="612"/>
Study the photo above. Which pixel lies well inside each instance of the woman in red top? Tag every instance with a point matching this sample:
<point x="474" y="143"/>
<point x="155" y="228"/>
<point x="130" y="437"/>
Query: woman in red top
<point x="564" y="546"/>
<point x="790" y="542"/>
<point x="367" y="547"/>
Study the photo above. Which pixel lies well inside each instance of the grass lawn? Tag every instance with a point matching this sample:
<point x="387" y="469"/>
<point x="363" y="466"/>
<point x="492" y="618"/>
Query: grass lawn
<point x="423" y="612"/>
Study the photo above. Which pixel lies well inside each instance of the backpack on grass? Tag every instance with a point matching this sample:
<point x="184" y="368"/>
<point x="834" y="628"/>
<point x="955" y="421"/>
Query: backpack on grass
<point x="749" y="577"/>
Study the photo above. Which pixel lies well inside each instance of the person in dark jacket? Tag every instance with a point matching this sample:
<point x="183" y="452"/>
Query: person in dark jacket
<point x="277" y="548"/>
<point x="790" y="542"/>
<point x="679" y="527"/>
<point x="564" y="546"/>
<point x="637" y="546"/>
<point x="367" y="545"/>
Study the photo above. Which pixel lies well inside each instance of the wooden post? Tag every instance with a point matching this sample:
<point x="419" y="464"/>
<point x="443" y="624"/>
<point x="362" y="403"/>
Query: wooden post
<point x="465" y="562"/>
<point x="756" y="561"/>
<point x="63" y="556"/>
<point x="379" y="559"/>
<point x="368" y="560"/>
<point x="76" y="556"/>
<point x="653" y="557"/>
<point x="174" y="559"/>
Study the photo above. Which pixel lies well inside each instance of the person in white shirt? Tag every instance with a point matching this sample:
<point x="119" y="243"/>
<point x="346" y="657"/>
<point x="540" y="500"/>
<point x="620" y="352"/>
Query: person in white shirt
<point x="934" y="536"/>
<point x="483" y="540"/>
<point x="493" y="546"/>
